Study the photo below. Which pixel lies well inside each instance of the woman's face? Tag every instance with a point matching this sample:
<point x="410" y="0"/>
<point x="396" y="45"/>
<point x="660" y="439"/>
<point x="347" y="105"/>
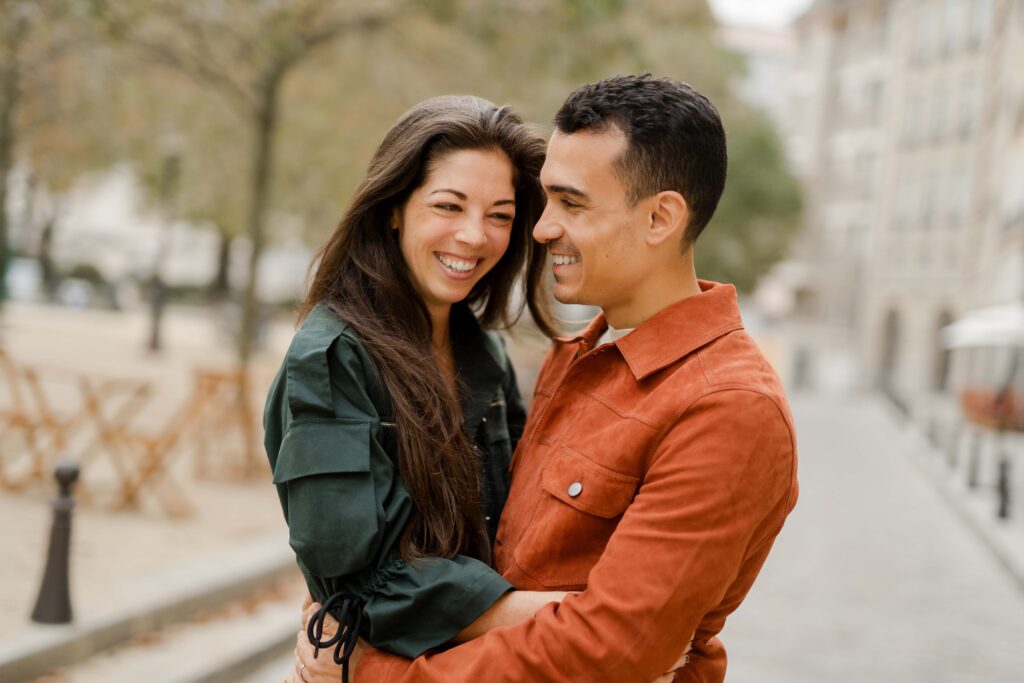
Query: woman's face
<point x="456" y="226"/>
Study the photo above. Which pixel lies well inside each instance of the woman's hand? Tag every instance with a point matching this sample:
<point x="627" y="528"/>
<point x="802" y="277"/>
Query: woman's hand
<point x="322" y="669"/>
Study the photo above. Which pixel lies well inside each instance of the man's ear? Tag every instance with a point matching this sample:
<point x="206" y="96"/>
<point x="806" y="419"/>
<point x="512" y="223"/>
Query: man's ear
<point x="669" y="218"/>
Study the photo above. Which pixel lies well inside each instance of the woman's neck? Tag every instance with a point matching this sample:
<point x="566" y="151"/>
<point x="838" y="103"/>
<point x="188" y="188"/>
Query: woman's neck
<point x="440" y="320"/>
<point x="441" y="343"/>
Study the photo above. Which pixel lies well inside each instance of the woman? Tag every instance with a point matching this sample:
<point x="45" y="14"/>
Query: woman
<point x="390" y="426"/>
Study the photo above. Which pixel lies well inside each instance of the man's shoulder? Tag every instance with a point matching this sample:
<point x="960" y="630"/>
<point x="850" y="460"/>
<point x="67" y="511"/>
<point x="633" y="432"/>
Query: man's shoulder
<point x="734" y="360"/>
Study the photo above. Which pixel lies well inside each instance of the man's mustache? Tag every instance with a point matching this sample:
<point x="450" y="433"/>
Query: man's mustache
<point x="562" y="247"/>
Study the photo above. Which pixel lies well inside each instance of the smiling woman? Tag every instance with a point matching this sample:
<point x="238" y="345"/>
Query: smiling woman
<point x="456" y="226"/>
<point x="392" y="421"/>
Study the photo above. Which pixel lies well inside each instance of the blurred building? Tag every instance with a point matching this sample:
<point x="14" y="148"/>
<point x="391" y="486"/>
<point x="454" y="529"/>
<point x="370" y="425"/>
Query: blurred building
<point x="767" y="55"/>
<point x="107" y="229"/>
<point x="906" y="124"/>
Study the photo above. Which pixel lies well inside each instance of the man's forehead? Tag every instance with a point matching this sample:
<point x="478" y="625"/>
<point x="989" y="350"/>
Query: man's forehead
<point x="580" y="155"/>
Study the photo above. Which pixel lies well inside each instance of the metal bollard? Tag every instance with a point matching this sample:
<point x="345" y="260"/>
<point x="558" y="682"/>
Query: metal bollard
<point x="1003" y="488"/>
<point x="974" y="460"/>
<point x="53" y="606"/>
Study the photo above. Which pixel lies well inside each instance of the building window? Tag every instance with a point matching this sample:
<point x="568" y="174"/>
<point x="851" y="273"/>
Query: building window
<point x="970" y="106"/>
<point x="940" y="372"/>
<point x="953" y="26"/>
<point x="981" y="20"/>
<point x="960" y="192"/>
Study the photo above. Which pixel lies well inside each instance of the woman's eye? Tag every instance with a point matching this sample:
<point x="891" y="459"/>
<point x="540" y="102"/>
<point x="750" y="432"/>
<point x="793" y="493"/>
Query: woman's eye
<point x="448" y="207"/>
<point x="502" y="217"/>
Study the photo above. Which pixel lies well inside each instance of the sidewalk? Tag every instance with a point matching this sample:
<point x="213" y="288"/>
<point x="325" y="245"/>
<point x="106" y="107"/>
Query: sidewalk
<point x="133" y="563"/>
<point x="875" y="578"/>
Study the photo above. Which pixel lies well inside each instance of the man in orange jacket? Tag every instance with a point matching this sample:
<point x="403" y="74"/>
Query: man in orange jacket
<point x="659" y="459"/>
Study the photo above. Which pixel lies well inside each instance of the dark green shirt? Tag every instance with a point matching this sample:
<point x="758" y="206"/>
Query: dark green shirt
<point x="331" y="444"/>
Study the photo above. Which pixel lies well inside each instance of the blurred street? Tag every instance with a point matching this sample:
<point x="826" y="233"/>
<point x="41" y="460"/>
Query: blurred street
<point x="872" y="223"/>
<point x="874" y="578"/>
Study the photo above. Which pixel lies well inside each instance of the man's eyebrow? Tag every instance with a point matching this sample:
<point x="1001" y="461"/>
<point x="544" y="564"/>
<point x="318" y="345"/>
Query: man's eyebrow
<point x="567" y="189"/>
<point x="460" y="195"/>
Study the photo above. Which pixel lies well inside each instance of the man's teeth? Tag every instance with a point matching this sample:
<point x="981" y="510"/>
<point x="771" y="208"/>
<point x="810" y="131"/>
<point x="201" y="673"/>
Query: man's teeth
<point x="561" y="260"/>
<point x="458" y="265"/>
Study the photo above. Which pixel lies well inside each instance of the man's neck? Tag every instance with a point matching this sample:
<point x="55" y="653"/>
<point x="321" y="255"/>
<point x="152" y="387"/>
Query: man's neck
<point x="654" y="294"/>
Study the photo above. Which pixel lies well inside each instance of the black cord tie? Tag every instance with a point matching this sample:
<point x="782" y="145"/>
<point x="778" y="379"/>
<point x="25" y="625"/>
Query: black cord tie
<point x="349" y="622"/>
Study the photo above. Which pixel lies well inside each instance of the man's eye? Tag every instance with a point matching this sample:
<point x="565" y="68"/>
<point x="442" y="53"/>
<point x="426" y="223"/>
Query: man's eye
<point x="570" y="205"/>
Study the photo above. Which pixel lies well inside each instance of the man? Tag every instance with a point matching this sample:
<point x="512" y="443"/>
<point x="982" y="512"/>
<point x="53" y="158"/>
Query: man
<point x="656" y="469"/>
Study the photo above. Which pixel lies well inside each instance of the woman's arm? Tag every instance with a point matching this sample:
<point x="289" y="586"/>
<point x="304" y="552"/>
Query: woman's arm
<point x="510" y="609"/>
<point x="345" y="506"/>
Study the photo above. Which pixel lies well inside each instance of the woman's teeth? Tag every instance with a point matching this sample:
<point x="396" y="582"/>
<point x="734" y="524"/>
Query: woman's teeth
<point x="561" y="260"/>
<point x="456" y="264"/>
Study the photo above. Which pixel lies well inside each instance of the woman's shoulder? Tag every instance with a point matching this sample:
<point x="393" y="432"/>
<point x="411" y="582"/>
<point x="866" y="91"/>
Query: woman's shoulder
<point x="319" y="330"/>
<point x="324" y="341"/>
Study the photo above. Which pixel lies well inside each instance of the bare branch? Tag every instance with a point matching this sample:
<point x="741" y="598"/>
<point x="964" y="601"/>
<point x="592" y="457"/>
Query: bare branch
<point x="196" y="69"/>
<point x="304" y="44"/>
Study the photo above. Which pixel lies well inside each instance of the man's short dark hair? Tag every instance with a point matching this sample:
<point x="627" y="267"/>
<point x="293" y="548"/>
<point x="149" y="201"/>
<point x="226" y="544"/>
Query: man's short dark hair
<point x="675" y="139"/>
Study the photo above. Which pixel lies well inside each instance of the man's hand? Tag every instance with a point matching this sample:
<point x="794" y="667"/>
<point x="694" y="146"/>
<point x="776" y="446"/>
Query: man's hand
<point x="322" y="669"/>
<point x="670" y="675"/>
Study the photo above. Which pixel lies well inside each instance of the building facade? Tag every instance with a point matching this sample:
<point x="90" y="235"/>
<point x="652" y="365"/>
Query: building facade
<point x="907" y="127"/>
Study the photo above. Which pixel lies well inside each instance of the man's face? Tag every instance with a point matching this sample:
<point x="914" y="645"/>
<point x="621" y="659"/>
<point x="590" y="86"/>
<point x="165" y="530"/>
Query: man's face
<point x="595" y="238"/>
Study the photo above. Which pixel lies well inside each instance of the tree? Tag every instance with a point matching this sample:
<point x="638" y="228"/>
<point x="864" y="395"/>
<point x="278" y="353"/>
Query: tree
<point x="244" y="52"/>
<point x="33" y="37"/>
<point x="476" y="46"/>
<point x="759" y="212"/>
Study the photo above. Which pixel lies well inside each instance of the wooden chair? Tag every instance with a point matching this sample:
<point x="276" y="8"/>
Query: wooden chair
<point x="24" y="410"/>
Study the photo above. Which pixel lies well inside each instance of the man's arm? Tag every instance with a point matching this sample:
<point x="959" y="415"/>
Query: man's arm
<point x="718" y="485"/>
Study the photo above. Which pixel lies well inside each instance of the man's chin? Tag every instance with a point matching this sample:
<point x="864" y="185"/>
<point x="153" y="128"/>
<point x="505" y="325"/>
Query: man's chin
<point x="566" y="297"/>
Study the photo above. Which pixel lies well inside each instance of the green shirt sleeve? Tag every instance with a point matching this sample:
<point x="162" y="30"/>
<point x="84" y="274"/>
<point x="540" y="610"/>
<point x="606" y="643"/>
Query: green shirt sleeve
<point x="333" y="462"/>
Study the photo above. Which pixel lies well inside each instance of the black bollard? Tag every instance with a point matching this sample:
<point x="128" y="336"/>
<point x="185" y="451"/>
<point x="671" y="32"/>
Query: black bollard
<point x="1003" y="488"/>
<point x="53" y="606"/>
<point x="974" y="460"/>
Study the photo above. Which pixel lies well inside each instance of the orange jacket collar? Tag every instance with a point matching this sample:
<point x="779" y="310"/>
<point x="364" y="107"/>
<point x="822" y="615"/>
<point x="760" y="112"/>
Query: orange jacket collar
<point x="673" y="332"/>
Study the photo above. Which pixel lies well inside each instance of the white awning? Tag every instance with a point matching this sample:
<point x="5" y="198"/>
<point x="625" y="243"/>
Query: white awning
<point x="987" y="327"/>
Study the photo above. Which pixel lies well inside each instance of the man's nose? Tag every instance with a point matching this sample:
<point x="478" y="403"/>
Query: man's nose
<point x="547" y="228"/>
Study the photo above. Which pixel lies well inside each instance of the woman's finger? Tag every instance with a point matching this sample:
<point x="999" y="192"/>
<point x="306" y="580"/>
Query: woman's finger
<point x="309" y="611"/>
<point x="297" y="669"/>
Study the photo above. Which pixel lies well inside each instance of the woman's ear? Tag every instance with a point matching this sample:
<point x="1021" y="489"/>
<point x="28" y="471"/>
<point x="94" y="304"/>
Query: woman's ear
<point x="396" y="218"/>
<point x="669" y="218"/>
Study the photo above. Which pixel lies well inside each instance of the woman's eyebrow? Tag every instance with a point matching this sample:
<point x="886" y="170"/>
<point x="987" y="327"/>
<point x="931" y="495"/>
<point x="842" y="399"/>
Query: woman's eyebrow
<point x="460" y="195"/>
<point x="463" y="197"/>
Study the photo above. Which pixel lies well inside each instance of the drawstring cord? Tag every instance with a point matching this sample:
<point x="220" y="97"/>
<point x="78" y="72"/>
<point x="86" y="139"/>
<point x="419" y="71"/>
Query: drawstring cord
<point x="349" y="622"/>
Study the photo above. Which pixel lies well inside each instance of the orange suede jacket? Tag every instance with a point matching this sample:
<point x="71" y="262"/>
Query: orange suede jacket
<point x="654" y="474"/>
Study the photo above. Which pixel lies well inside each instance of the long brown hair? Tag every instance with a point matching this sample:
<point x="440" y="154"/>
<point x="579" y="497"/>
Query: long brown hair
<point x="361" y="275"/>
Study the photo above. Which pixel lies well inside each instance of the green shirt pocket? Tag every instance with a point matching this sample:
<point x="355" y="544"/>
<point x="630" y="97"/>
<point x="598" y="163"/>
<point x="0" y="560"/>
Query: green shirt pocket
<point x="331" y="503"/>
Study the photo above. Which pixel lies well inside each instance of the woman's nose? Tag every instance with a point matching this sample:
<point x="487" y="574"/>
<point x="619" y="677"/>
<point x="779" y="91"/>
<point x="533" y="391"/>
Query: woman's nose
<point x="472" y="232"/>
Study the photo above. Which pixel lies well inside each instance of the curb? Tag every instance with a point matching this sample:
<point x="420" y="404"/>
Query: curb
<point x="154" y="603"/>
<point x="265" y="651"/>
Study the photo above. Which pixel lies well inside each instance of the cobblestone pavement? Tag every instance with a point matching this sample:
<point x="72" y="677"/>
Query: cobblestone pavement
<point x="874" y="578"/>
